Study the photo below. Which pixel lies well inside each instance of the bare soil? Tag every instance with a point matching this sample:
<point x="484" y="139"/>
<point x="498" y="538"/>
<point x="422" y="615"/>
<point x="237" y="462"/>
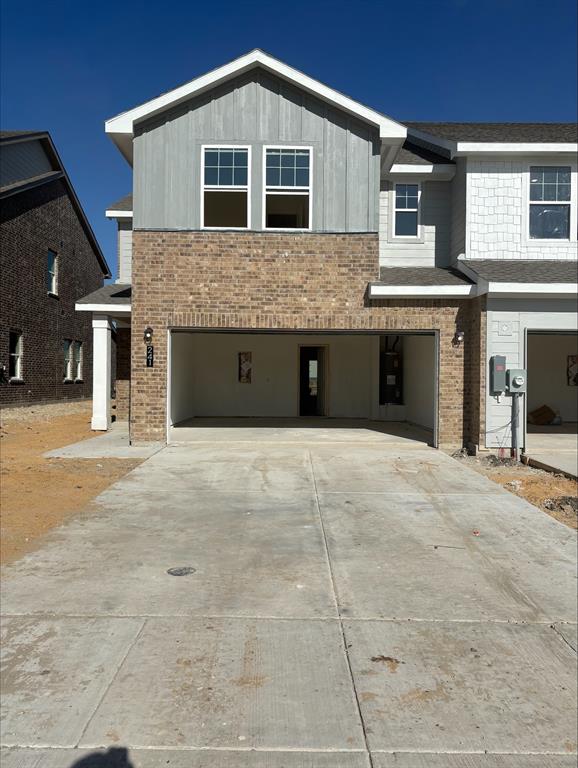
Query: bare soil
<point x="38" y="494"/>
<point x="554" y="494"/>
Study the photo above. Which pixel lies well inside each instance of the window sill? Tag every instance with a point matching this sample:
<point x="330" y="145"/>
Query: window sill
<point x="54" y="295"/>
<point x="14" y="380"/>
<point x="68" y="381"/>
<point x="79" y="381"/>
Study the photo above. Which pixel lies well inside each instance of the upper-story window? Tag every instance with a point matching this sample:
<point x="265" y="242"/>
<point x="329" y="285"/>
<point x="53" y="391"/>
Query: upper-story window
<point x="225" y="193"/>
<point x="15" y="355"/>
<point x="406" y="210"/>
<point x="287" y="188"/>
<point x="550" y="202"/>
<point x="52" y="272"/>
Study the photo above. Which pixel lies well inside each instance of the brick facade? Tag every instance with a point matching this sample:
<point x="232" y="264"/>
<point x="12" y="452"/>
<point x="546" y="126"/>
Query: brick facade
<point x="286" y="282"/>
<point x="32" y="222"/>
<point x="122" y="381"/>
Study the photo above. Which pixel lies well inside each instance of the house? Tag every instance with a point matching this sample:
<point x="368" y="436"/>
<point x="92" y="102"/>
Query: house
<point x="287" y="252"/>
<point x="49" y="259"/>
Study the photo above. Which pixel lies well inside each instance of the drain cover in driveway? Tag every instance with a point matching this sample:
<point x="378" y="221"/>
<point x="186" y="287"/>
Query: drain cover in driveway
<point x="184" y="570"/>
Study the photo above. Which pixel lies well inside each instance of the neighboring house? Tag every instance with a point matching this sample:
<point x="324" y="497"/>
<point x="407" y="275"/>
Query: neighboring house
<point x="49" y="259"/>
<point x="289" y="252"/>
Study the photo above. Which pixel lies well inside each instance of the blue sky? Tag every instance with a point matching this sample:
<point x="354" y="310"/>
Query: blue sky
<point x="67" y="65"/>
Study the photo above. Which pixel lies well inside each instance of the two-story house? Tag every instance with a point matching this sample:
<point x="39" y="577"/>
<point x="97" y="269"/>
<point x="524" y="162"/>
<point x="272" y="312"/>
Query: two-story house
<point x="49" y="259"/>
<point x="290" y="253"/>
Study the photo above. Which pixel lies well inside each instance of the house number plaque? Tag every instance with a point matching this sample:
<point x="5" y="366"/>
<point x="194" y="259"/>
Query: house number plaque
<point x="150" y="356"/>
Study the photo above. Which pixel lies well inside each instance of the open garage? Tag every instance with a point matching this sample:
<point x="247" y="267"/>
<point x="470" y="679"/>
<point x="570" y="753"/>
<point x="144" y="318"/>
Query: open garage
<point x="276" y="375"/>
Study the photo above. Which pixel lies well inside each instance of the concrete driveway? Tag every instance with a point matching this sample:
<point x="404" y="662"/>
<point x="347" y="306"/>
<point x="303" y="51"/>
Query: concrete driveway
<point x="357" y="600"/>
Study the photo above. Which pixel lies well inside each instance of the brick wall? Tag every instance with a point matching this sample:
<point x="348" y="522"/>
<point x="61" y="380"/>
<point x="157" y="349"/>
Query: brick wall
<point x="498" y="213"/>
<point x="122" y="384"/>
<point x="274" y="281"/>
<point x="31" y="223"/>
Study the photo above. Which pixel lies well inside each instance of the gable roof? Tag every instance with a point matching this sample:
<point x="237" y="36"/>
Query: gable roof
<point x="467" y="138"/>
<point x="522" y="270"/>
<point x="58" y="172"/>
<point x="121" y="127"/>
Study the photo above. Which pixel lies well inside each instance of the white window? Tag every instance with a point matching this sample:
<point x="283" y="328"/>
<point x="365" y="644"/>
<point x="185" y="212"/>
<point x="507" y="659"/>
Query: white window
<point x="406" y="210"/>
<point x="52" y="273"/>
<point x="550" y="196"/>
<point x="225" y="201"/>
<point x="77" y="360"/>
<point x="67" y="350"/>
<point x="287" y="188"/>
<point x="15" y="355"/>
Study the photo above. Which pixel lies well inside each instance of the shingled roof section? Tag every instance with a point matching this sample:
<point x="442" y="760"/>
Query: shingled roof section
<point x="17" y="134"/>
<point x="421" y="276"/>
<point x="524" y="271"/>
<point x="500" y="132"/>
<point x="113" y="294"/>
<point x="124" y="204"/>
<point x="411" y="154"/>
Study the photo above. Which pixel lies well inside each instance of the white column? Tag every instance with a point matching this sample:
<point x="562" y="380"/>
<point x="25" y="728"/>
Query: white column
<point x="101" y="371"/>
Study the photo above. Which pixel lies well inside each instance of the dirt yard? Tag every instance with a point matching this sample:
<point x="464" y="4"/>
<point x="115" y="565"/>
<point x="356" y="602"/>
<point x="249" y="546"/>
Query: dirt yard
<point x="554" y="494"/>
<point x="38" y="494"/>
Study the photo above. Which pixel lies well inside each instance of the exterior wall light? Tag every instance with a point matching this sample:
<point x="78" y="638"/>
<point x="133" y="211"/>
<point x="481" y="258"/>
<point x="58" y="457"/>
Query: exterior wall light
<point x="148" y="334"/>
<point x="459" y="337"/>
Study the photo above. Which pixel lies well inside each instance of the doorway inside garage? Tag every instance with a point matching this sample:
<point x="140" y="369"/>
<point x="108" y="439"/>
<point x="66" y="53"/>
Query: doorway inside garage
<point x="387" y="381"/>
<point x="552" y="398"/>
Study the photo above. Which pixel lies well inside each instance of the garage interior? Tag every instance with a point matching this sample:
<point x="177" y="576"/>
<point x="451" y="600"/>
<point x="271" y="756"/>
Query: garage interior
<point x="305" y="379"/>
<point x="552" y="364"/>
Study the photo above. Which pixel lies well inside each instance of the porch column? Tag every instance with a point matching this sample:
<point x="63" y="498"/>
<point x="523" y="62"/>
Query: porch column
<point x="101" y="372"/>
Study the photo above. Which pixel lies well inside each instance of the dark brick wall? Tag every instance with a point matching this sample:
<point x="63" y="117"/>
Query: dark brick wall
<point x="30" y="223"/>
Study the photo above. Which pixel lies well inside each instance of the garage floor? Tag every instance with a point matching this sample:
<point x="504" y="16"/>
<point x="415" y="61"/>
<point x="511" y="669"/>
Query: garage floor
<point x="350" y="604"/>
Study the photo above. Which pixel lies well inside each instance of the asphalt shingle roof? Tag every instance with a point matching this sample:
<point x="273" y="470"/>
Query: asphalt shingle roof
<point x="421" y="276"/>
<point x="524" y="271"/>
<point x="500" y="132"/>
<point x="15" y="134"/>
<point x="113" y="294"/>
<point x="124" y="204"/>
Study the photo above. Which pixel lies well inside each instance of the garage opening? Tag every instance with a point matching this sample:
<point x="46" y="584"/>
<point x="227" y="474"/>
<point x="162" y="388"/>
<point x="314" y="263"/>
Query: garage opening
<point x="386" y="381"/>
<point x="552" y="399"/>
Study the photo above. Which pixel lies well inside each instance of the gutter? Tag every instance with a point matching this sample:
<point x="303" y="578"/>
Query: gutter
<point x="380" y="291"/>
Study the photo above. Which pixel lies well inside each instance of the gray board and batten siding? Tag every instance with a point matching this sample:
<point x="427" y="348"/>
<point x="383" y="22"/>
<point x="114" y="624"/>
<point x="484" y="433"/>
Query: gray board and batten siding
<point x="256" y="109"/>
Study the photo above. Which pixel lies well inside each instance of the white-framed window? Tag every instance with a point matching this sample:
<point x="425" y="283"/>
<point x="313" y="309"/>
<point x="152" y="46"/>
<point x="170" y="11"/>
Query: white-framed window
<point x="225" y="187"/>
<point x="52" y="272"/>
<point x="550" y="202"/>
<point x="77" y="354"/>
<point x="67" y="359"/>
<point x="15" y="348"/>
<point x="406" y="213"/>
<point x="287" y="197"/>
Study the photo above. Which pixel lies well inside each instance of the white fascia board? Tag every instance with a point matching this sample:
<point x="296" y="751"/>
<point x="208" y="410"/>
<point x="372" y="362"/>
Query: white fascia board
<point x="112" y="214"/>
<point x="514" y="148"/>
<point x="104" y="309"/>
<point x="533" y="289"/>
<point x="377" y="291"/>
<point x="123" y="123"/>
<point x="442" y="171"/>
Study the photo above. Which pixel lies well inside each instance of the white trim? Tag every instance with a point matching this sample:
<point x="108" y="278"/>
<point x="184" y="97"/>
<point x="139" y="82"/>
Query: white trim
<point x="439" y="170"/>
<point x="229" y="188"/>
<point x="113" y="214"/>
<point x="284" y="191"/>
<point x="377" y="291"/>
<point x="516" y="289"/>
<point x="123" y="123"/>
<point x="513" y="148"/>
<point x="108" y="309"/>
<point x="394" y="209"/>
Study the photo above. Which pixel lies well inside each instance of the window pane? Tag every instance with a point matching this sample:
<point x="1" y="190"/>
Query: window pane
<point x="287" y="177"/>
<point x="273" y="177"/>
<point x="287" y="159"/>
<point x="536" y="175"/>
<point x="225" y="209"/>
<point x="406" y="223"/>
<point x="211" y="158"/>
<point x="273" y="159"/>
<point x="240" y="177"/>
<point x="549" y="192"/>
<point x="225" y="158"/>
<point x="225" y="176"/>
<point x="411" y="202"/>
<point x="550" y="175"/>
<point x="550" y="221"/>
<point x="302" y="159"/>
<point x="564" y="175"/>
<point x="211" y="175"/>
<point x="536" y="192"/>
<point x="563" y="192"/>
<point x="411" y="190"/>
<point x="240" y="159"/>
<point x="302" y="177"/>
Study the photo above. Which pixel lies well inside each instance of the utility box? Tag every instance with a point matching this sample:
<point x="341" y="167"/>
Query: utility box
<point x="516" y="380"/>
<point x="497" y="374"/>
